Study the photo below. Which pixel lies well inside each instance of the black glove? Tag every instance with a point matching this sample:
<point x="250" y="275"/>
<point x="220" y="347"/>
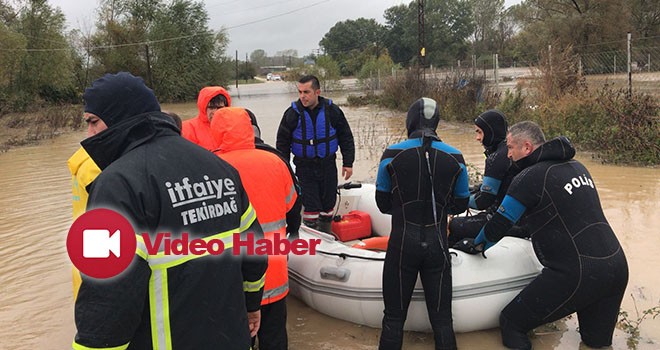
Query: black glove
<point x="467" y="246"/>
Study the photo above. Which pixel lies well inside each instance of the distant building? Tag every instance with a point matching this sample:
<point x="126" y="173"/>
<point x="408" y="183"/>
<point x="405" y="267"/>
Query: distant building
<point x="272" y="69"/>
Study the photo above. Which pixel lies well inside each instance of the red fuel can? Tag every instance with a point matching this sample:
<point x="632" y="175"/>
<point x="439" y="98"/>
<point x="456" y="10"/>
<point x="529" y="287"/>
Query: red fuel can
<point x="353" y="225"/>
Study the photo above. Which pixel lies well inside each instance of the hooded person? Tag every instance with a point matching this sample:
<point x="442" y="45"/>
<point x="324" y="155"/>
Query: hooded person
<point x="198" y="129"/>
<point x="491" y="129"/>
<point x="419" y="182"/>
<point x="272" y="191"/>
<point x="585" y="269"/>
<point x="188" y="302"/>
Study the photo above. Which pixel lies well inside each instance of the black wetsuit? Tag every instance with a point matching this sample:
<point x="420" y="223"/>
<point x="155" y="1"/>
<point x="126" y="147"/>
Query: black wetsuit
<point x="418" y="244"/>
<point x="555" y="199"/>
<point x="497" y="177"/>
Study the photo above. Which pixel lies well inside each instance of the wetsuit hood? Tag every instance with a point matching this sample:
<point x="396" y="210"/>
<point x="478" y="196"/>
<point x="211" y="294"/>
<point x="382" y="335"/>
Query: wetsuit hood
<point x="493" y="124"/>
<point x="558" y="149"/>
<point x="423" y="117"/>
<point x="116" y="97"/>
<point x="205" y="96"/>
<point x="231" y="128"/>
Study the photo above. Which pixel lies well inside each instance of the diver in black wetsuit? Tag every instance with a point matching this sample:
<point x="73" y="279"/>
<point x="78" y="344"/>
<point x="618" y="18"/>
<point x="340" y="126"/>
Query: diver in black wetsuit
<point x="490" y="128"/>
<point x="555" y="199"/>
<point x="419" y="182"/>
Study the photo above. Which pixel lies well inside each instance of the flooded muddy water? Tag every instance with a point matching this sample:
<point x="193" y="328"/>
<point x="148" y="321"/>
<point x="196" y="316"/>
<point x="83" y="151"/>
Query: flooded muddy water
<point x="35" y="210"/>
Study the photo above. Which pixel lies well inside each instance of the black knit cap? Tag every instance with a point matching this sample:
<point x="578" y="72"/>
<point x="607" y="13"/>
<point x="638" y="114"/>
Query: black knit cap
<point x="115" y="97"/>
<point x="493" y="124"/>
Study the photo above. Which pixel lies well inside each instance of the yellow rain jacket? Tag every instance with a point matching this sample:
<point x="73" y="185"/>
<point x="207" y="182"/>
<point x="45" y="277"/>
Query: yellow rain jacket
<point x="83" y="172"/>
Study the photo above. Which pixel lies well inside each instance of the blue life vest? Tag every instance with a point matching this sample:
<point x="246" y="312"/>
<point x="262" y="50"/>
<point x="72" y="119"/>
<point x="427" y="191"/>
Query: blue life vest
<point x="310" y="139"/>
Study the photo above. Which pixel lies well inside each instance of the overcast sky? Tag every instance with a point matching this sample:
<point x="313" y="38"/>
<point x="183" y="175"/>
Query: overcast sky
<point x="271" y="25"/>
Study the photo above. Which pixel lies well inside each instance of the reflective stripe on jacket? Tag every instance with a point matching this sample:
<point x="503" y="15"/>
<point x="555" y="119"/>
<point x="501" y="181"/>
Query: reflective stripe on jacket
<point x="170" y="301"/>
<point x="313" y="138"/>
<point x="268" y="183"/>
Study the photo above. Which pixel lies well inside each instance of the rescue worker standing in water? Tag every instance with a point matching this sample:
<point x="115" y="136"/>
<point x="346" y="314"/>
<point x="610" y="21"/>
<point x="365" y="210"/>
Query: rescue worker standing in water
<point x="490" y="128"/>
<point x="198" y="129"/>
<point x="165" y="301"/>
<point x="272" y="192"/>
<point x="419" y="182"/>
<point x="555" y="199"/>
<point x="314" y="129"/>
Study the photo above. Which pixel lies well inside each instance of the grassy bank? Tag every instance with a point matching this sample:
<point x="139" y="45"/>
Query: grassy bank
<point x="617" y="128"/>
<point x="19" y="129"/>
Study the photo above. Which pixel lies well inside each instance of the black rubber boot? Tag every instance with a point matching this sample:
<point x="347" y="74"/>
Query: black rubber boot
<point x="325" y="226"/>
<point x="311" y="224"/>
<point x="512" y="337"/>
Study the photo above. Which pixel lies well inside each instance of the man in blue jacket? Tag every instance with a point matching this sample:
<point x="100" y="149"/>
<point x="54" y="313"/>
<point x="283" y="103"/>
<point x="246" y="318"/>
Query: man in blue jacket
<point x="314" y="129"/>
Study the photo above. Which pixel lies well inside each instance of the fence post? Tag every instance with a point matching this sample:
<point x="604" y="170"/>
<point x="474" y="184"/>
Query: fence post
<point x="649" y="63"/>
<point x="497" y="77"/>
<point x="580" y="66"/>
<point x="378" y="86"/>
<point x="615" y="63"/>
<point x="629" y="67"/>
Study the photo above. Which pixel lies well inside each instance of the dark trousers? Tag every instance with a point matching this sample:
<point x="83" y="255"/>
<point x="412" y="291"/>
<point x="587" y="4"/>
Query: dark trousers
<point x="318" y="184"/>
<point x="422" y="255"/>
<point x="272" y="332"/>
<point x="595" y="295"/>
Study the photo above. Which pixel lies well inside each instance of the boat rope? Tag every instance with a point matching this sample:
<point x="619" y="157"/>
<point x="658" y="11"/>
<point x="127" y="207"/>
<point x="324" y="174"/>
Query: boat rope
<point x="344" y="256"/>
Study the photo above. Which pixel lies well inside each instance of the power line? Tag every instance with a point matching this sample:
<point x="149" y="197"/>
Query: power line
<point x="148" y="42"/>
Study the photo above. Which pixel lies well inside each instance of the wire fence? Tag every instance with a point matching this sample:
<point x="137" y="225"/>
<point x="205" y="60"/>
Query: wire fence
<point x="637" y="69"/>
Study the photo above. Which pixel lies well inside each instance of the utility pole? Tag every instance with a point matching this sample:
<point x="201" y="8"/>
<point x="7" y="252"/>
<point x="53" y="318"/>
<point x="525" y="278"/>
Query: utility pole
<point x="420" y="35"/>
<point x="149" y="76"/>
<point x="236" y="69"/>
<point x="246" y="67"/>
<point x="629" y="67"/>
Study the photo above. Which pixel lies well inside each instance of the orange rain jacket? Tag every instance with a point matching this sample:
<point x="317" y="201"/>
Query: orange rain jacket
<point x="268" y="183"/>
<point x="198" y="129"/>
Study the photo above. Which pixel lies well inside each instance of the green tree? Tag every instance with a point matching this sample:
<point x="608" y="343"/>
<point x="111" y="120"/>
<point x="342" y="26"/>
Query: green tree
<point x="347" y="41"/>
<point x="401" y="38"/>
<point x="488" y="15"/>
<point x="185" y="54"/>
<point x="584" y="24"/>
<point x="448" y="26"/>
<point x="374" y="70"/>
<point x="645" y="17"/>
<point x="46" y="68"/>
<point x="121" y="35"/>
<point x="259" y="58"/>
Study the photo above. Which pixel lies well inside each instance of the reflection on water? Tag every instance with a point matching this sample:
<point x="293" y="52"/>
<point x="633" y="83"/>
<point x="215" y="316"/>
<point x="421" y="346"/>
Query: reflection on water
<point x="36" y="308"/>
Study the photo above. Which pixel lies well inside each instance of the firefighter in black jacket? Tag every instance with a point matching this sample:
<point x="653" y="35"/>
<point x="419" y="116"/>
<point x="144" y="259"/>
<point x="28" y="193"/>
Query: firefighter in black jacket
<point x="161" y="183"/>
<point x="313" y="129"/>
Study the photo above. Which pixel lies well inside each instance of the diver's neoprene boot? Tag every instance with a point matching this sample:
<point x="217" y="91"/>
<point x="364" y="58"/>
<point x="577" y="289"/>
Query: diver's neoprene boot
<point x="513" y="338"/>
